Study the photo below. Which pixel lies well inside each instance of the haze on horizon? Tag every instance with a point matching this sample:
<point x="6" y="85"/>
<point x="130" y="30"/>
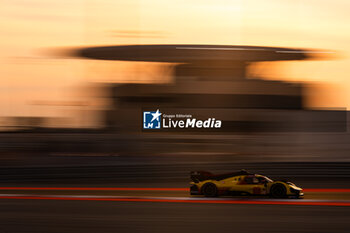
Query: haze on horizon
<point x="29" y="74"/>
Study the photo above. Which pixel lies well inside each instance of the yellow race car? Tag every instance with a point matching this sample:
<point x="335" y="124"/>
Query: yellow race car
<point x="241" y="183"/>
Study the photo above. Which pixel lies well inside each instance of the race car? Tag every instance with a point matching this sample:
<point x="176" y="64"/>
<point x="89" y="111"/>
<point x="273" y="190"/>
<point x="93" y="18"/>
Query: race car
<point x="241" y="183"/>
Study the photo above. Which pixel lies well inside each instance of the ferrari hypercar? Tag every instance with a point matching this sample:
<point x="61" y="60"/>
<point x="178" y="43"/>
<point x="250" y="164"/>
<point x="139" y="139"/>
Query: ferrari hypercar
<point x="241" y="183"/>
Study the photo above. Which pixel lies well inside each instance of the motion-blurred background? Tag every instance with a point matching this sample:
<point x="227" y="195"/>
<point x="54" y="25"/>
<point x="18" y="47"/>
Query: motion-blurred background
<point x="282" y="116"/>
<point x="76" y="75"/>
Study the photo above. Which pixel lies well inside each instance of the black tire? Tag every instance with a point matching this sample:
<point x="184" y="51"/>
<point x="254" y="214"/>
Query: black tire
<point x="278" y="191"/>
<point x="209" y="190"/>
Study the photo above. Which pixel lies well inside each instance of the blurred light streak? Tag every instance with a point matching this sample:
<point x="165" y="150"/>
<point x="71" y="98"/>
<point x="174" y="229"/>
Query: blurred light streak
<point x="320" y="190"/>
<point x="179" y="200"/>
<point x="87" y="188"/>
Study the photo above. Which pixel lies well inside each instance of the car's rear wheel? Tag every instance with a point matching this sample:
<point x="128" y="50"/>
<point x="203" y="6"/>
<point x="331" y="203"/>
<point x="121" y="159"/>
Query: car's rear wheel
<point x="278" y="191"/>
<point x="210" y="190"/>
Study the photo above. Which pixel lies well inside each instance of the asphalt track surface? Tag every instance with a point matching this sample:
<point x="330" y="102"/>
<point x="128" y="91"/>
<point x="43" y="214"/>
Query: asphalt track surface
<point x="154" y="198"/>
<point x="106" y="209"/>
<point x="108" y="216"/>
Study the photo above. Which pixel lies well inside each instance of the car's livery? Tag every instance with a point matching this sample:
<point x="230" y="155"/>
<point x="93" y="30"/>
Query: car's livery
<point x="241" y="183"/>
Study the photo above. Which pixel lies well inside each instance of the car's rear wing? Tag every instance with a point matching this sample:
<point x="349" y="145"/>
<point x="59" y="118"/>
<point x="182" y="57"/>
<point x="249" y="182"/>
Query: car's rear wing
<point x="198" y="176"/>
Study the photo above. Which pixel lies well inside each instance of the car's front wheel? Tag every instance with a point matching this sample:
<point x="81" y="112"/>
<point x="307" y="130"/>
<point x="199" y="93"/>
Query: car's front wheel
<point x="278" y="191"/>
<point x="210" y="190"/>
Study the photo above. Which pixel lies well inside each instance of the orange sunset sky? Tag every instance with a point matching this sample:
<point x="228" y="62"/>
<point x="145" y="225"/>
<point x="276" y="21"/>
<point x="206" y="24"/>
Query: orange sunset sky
<point x="29" y="29"/>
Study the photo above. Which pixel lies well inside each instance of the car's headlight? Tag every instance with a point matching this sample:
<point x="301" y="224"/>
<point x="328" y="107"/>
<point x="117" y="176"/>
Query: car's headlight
<point x="293" y="190"/>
